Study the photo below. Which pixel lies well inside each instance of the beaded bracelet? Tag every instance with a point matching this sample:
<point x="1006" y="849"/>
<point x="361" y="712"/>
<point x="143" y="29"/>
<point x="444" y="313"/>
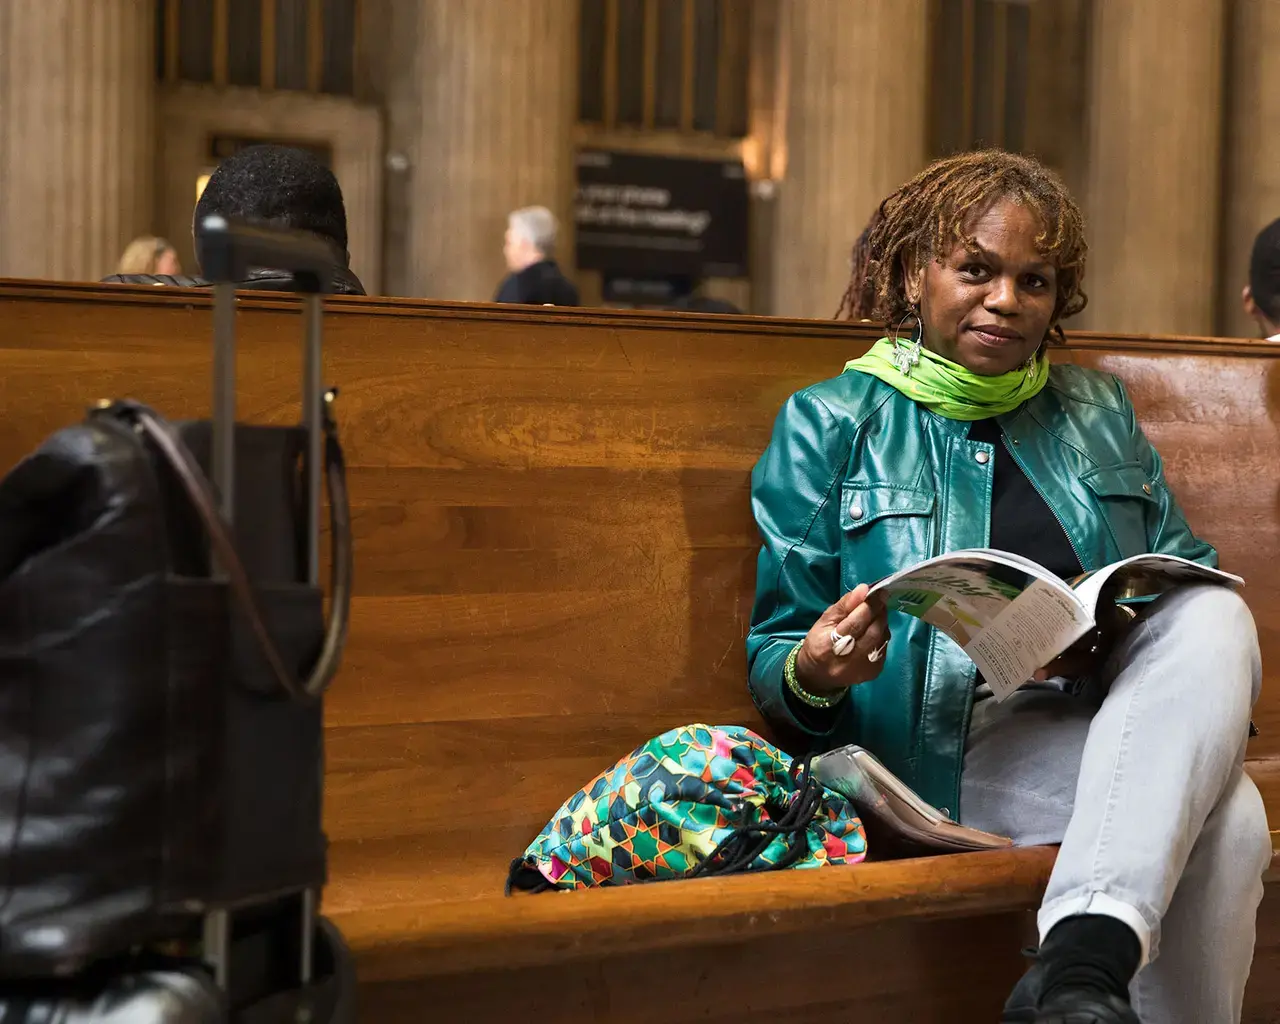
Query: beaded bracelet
<point x="793" y="684"/>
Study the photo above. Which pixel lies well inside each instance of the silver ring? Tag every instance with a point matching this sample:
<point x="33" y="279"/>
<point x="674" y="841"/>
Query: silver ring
<point x="841" y="645"/>
<point x="878" y="653"/>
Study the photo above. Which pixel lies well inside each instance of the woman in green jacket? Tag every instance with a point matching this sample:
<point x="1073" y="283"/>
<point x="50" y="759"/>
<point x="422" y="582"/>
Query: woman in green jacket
<point x="958" y="432"/>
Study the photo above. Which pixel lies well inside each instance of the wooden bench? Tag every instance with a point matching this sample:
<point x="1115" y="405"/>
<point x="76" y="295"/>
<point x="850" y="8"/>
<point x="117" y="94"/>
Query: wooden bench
<point x="555" y="561"/>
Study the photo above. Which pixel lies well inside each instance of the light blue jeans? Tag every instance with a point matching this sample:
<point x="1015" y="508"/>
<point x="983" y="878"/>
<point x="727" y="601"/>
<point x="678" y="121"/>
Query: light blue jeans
<point x="1139" y="776"/>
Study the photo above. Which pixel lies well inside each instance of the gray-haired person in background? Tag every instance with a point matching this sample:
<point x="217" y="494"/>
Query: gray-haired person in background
<point x="529" y="247"/>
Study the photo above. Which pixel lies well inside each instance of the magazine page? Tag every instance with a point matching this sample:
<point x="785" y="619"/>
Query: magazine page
<point x="1043" y="622"/>
<point x="1147" y="576"/>
<point x="964" y="592"/>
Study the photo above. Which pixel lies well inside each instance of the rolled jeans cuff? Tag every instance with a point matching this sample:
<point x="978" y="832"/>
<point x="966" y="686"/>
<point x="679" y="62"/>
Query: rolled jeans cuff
<point x="1075" y="904"/>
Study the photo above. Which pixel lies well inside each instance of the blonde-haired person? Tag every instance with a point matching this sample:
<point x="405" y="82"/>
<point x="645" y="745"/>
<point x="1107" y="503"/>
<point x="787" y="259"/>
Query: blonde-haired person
<point x="149" y="254"/>
<point x="958" y="430"/>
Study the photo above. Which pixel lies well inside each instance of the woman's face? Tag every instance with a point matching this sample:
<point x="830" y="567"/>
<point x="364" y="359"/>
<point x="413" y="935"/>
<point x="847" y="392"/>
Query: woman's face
<point x="988" y="307"/>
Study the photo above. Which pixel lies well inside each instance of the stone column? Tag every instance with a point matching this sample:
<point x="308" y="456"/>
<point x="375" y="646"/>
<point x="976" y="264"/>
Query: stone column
<point x="856" y="122"/>
<point x="1055" y="124"/>
<point x="485" y="118"/>
<point x="1154" y="165"/>
<point x="77" y="137"/>
<point x="1253" y="150"/>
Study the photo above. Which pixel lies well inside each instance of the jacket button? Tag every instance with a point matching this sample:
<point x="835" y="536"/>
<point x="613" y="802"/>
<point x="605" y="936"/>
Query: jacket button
<point x="855" y="511"/>
<point x="1146" y="488"/>
<point x="982" y="458"/>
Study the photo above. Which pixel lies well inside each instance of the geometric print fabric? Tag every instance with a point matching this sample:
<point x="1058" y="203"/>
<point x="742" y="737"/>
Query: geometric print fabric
<point x="663" y="809"/>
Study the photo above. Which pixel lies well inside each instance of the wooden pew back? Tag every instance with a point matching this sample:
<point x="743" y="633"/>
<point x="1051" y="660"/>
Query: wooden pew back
<point x="555" y="552"/>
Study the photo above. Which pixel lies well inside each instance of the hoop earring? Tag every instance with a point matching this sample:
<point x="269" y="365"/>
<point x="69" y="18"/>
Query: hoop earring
<point x="906" y="356"/>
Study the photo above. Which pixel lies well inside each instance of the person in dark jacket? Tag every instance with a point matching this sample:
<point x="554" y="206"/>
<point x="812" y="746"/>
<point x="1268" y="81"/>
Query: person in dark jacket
<point x="535" y="279"/>
<point x="282" y="187"/>
<point x="276" y="186"/>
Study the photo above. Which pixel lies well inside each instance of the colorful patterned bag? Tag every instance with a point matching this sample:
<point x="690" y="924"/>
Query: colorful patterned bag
<point x="697" y="800"/>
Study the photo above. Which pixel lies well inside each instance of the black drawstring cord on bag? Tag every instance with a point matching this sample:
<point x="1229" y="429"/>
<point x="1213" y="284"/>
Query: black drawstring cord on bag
<point x="736" y="853"/>
<point x="524" y="876"/>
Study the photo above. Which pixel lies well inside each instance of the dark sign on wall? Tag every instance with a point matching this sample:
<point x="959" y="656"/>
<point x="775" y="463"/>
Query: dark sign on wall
<point x="654" y="216"/>
<point x="647" y="291"/>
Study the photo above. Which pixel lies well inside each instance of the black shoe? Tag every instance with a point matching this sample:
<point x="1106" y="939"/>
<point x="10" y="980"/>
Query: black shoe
<point x="1069" y="1006"/>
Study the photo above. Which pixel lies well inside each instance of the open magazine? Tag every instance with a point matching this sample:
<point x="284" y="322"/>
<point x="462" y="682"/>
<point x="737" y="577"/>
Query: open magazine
<point x="1012" y="616"/>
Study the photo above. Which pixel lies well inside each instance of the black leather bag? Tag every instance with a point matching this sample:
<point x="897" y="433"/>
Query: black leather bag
<point x="163" y="650"/>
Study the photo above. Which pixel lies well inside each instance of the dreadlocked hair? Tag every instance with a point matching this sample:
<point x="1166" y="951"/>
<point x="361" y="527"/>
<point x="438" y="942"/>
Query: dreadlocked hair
<point x="933" y="212"/>
<point x="859" y="301"/>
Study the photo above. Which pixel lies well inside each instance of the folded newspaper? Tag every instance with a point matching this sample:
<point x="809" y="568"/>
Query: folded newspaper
<point x="1012" y="616"/>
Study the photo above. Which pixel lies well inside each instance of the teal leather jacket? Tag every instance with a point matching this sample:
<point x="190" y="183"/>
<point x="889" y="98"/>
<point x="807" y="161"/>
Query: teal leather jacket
<point x="860" y="481"/>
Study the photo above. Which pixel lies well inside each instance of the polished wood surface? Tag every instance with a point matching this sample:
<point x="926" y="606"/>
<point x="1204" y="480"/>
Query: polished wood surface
<point x="555" y="561"/>
<point x="912" y="971"/>
<point x="1262" y="997"/>
<point x="872" y="973"/>
<point x="444" y="938"/>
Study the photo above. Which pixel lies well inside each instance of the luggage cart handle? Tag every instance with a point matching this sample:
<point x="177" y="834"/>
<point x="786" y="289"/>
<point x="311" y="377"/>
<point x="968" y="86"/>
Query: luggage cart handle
<point x="230" y="249"/>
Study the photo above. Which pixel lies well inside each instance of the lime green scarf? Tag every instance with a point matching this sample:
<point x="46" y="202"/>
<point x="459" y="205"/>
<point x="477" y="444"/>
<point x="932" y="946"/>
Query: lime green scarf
<point x="948" y="388"/>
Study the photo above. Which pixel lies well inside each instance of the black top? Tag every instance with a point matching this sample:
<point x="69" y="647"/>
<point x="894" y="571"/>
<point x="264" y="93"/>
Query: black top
<point x="537" y="285"/>
<point x="1021" y="521"/>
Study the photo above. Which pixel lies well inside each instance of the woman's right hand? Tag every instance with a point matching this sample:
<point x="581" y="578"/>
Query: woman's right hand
<point x="819" y="669"/>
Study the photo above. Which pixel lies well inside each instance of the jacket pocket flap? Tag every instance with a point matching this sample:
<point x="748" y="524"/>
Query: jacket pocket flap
<point x="1127" y="480"/>
<point x="862" y="504"/>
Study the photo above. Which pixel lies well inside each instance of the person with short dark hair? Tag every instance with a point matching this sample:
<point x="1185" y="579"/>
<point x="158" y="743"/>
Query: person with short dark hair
<point x="1262" y="293"/>
<point x="529" y="249"/>
<point x="279" y="186"/>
